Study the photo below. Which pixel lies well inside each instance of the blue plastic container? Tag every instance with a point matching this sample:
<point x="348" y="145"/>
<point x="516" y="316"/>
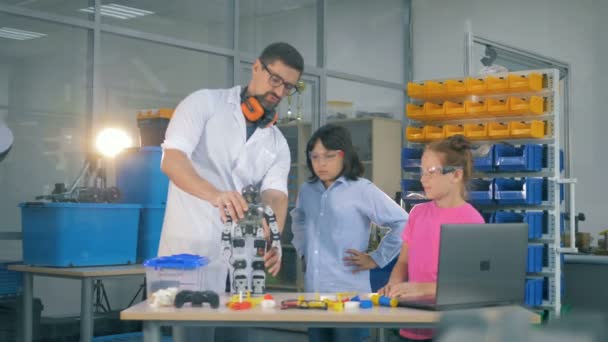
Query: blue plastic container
<point x="378" y="277"/>
<point x="139" y="177"/>
<point x="79" y="234"/>
<point x="534" y="292"/>
<point x="486" y="162"/>
<point x="535" y="258"/>
<point x="410" y="159"/>
<point x="11" y="282"/>
<point x="525" y="158"/>
<point x="481" y="191"/>
<point x="150" y="227"/>
<point x="518" y="192"/>
<point x="534" y="219"/>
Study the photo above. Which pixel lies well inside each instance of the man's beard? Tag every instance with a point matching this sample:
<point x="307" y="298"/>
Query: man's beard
<point x="269" y="106"/>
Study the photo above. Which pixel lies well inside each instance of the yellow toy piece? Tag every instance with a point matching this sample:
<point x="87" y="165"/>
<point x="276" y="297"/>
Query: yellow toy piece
<point x="383" y="301"/>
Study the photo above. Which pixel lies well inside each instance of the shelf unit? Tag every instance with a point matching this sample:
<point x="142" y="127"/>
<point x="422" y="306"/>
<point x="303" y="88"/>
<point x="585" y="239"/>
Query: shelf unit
<point x="465" y="96"/>
<point x="376" y="141"/>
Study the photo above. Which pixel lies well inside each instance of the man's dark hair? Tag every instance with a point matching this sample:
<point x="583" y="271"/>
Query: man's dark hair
<point x="285" y="53"/>
<point x="335" y="137"/>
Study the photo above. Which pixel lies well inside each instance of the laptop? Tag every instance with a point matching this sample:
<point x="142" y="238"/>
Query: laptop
<point x="479" y="265"/>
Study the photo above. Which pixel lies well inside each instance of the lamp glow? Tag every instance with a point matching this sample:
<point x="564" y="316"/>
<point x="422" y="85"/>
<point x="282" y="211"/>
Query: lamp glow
<point x="111" y="141"/>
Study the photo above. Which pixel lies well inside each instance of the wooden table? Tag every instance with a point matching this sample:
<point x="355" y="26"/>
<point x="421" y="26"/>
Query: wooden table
<point x="86" y="276"/>
<point x="377" y="317"/>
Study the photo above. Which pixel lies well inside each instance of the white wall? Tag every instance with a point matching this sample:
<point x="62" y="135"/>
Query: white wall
<point x="570" y="31"/>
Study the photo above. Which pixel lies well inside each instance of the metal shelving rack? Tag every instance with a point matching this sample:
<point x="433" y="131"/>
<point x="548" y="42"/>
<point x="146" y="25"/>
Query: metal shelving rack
<point x="554" y="206"/>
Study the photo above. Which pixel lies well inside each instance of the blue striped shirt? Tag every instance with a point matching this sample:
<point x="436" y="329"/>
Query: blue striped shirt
<point x="327" y="222"/>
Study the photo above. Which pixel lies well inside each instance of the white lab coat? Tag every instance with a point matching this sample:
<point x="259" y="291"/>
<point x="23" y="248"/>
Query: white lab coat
<point x="209" y="127"/>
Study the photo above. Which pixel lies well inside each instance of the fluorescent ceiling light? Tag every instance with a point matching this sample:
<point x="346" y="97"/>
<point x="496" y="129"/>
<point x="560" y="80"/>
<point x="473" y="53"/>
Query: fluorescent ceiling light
<point x="16" y="34"/>
<point x="118" y="11"/>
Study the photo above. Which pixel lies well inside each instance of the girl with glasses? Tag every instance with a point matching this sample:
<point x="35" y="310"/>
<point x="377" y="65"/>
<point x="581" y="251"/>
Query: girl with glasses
<point x="446" y="167"/>
<point x="331" y="223"/>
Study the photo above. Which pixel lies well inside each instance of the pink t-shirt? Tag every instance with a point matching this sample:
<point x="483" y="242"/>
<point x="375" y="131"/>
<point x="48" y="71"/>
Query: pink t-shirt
<point x="422" y="235"/>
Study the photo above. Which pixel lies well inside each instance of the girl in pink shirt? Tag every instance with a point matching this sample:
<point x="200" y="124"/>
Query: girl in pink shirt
<point x="446" y="167"/>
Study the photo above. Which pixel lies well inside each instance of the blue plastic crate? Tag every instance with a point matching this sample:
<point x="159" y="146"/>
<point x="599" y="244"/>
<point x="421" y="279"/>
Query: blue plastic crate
<point x="410" y="159"/>
<point x="79" y="234"/>
<point x="534" y="292"/>
<point x="534" y="219"/>
<point x="11" y="282"/>
<point x="481" y="191"/>
<point x="411" y="187"/>
<point x="150" y="227"/>
<point x="518" y="192"/>
<point x="535" y="258"/>
<point x="524" y="158"/>
<point x="139" y="177"/>
<point x="486" y="162"/>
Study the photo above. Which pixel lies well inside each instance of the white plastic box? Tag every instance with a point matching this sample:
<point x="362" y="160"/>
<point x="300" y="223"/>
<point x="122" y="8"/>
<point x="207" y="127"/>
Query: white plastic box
<point x="183" y="271"/>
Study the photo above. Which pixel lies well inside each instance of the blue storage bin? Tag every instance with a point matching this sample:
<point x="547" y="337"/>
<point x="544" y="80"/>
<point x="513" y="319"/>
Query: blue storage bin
<point x="410" y="187"/>
<point x="480" y="191"/>
<point x="139" y="177"/>
<point x="150" y="227"/>
<point x="535" y="258"/>
<point x="79" y="234"/>
<point x="514" y="192"/>
<point x="525" y="158"/>
<point x="534" y="219"/>
<point x="534" y="292"/>
<point x="410" y="159"/>
<point x="486" y="162"/>
<point x="11" y="282"/>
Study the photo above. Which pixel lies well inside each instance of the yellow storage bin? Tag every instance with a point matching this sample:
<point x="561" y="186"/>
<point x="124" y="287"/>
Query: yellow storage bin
<point x="476" y="131"/>
<point x="433" y="132"/>
<point x="478" y="108"/>
<point x="450" y="130"/>
<point x="434" y="89"/>
<point x="522" y="130"/>
<point x="415" y="90"/>
<point x="454" y="110"/>
<point x="498" y="106"/>
<point x="533" y="105"/>
<point x="414" y="134"/>
<point x="455" y="87"/>
<point x="433" y="111"/>
<point x="524" y="83"/>
<point x="497" y="130"/>
<point x="497" y="84"/>
<point x="414" y="111"/>
<point x="475" y="86"/>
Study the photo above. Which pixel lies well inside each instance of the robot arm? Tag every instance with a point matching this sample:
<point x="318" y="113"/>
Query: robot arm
<point x="275" y="237"/>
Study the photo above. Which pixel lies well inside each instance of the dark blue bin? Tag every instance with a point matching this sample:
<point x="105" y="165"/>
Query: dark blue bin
<point x="535" y="258"/>
<point x="534" y="219"/>
<point x="410" y="159"/>
<point x="139" y="177"/>
<point x="518" y="192"/>
<point x="485" y="162"/>
<point x="378" y="277"/>
<point x="150" y="227"/>
<point x="524" y="158"/>
<point x="79" y="234"/>
<point x="11" y="282"/>
<point x="481" y="191"/>
<point x="534" y="292"/>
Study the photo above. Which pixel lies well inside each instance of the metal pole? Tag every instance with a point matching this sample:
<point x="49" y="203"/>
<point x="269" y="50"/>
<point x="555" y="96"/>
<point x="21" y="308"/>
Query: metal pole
<point x="86" y="310"/>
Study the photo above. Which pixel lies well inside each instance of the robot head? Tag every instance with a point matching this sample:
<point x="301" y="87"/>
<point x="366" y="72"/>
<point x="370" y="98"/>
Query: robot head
<point x="251" y="193"/>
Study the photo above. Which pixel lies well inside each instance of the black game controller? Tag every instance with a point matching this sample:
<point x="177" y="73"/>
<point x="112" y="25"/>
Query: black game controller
<point x="197" y="298"/>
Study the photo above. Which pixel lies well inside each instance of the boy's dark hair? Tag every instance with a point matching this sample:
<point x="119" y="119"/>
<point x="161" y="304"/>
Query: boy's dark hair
<point x="335" y="137"/>
<point x="285" y="53"/>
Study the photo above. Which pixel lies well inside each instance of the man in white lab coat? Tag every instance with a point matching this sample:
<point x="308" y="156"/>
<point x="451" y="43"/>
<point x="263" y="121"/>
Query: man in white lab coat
<point x="217" y="142"/>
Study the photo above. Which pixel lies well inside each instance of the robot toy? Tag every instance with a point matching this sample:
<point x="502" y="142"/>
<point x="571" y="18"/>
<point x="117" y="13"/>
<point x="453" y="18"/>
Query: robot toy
<point x="244" y="245"/>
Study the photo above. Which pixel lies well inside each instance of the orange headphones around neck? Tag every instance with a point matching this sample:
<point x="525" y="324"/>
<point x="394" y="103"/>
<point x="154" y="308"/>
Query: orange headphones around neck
<point x="255" y="112"/>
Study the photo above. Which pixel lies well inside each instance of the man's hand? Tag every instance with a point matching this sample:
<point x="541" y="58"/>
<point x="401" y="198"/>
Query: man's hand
<point x="231" y="202"/>
<point x="360" y="261"/>
<point x="408" y="290"/>
<point x="272" y="261"/>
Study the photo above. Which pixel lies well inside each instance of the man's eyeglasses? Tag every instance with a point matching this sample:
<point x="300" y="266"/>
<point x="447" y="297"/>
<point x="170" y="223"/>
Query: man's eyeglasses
<point x="438" y="170"/>
<point x="324" y="157"/>
<point x="276" y="81"/>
